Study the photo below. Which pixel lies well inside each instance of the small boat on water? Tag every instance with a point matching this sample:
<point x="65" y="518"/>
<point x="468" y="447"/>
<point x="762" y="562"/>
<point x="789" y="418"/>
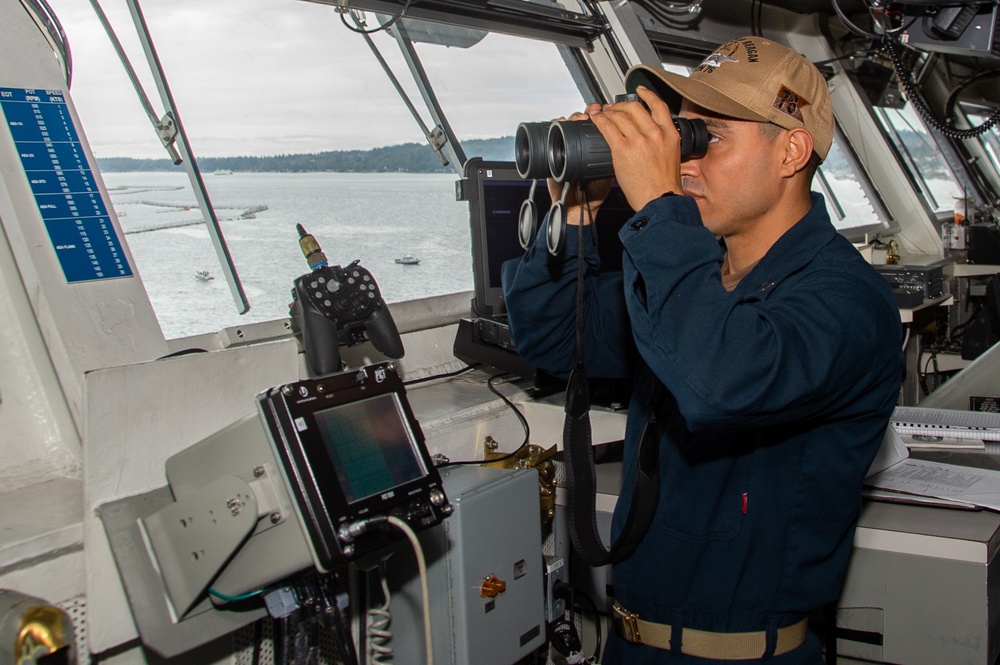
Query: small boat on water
<point x="222" y="172"/>
<point x="408" y="260"/>
<point x="203" y="276"/>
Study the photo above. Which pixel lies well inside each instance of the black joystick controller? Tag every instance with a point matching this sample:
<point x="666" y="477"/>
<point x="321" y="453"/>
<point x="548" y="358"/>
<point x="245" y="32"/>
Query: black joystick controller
<point x="334" y="306"/>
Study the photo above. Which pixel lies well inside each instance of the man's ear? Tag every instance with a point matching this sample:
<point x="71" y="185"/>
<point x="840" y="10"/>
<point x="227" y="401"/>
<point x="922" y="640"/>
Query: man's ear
<point x="798" y="150"/>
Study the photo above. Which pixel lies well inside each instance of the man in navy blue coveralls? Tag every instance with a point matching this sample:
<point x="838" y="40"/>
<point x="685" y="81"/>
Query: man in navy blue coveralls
<point x="779" y="348"/>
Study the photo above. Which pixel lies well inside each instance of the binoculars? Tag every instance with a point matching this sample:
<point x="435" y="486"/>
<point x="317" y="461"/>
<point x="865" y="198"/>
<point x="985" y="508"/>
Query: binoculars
<point x="575" y="151"/>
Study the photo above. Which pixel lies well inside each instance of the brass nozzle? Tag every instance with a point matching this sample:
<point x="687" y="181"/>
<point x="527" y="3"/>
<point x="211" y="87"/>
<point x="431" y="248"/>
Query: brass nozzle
<point x="310" y="248"/>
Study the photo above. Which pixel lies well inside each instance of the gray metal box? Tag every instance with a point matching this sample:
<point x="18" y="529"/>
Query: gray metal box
<point x="495" y="530"/>
<point x="923" y="587"/>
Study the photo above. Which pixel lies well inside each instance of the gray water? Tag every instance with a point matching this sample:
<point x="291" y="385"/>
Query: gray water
<point x="372" y="217"/>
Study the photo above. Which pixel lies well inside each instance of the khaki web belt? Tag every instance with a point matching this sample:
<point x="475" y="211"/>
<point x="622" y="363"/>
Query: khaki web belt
<point x="705" y="644"/>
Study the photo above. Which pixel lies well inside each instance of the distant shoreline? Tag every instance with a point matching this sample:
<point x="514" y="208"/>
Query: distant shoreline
<point x="405" y="158"/>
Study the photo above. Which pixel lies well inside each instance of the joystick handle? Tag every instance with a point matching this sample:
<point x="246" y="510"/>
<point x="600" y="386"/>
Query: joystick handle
<point x="383" y="334"/>
<point x="334" y="306"/>
<point x="319" y="334"/>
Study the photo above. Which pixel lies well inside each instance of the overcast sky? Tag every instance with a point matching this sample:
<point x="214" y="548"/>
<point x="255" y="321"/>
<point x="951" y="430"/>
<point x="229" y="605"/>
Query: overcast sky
<point x="262" y="77"/>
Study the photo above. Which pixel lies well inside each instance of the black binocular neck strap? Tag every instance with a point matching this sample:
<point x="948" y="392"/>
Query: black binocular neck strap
<point x="578" y="452"/>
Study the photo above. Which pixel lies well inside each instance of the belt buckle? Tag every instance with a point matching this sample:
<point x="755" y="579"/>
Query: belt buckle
<point x="629" y="624"/>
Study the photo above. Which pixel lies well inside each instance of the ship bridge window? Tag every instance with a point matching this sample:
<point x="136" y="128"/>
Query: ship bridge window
<point x="990" y="139"/>
<point x="489" y="88"/>
<point x="922" y="157"/>
<point x="851" y="201"/>
<point x="292" y="120"/>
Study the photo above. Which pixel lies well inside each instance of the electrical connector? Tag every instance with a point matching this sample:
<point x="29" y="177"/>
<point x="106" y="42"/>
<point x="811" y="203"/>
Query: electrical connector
<point x="555" y="573"/>
<point x="281" y="602"/>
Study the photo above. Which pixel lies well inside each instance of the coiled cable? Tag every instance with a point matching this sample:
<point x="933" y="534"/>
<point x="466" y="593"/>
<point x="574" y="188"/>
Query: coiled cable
<point x="357" y="528"/>
<point x="914" y="96"/>
<point x="424" y="592"/>
<point x="379" y="618"/>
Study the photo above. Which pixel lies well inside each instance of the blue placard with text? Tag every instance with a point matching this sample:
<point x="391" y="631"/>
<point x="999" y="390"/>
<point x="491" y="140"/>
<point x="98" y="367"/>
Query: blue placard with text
<point x="74" y="213"/>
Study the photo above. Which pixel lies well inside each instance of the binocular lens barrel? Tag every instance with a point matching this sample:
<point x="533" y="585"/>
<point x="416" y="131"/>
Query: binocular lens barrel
<point x="530" y="150"/>
<point x="575" y="151"/>
<point x="578" y="153"/>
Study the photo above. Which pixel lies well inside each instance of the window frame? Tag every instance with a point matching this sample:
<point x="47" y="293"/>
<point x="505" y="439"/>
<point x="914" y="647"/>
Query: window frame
<point x="938" y="211"/>
<point x="887" y="224"/>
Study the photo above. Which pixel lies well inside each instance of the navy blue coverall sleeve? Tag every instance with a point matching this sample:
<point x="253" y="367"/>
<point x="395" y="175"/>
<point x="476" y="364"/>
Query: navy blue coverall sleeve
<point x="540" y="292"/>
<point x="803" y="333"/>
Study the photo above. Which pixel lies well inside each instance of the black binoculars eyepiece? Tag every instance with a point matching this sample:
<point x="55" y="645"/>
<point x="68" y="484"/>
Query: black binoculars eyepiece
<point x="575" y="151"/>
<point x="572" y="151"/>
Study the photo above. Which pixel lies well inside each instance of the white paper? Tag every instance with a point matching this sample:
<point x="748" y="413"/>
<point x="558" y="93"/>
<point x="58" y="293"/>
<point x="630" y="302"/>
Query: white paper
<point x="980" y="487"/>
<point x="893" y="451"/>
<point x="912" y="499"/>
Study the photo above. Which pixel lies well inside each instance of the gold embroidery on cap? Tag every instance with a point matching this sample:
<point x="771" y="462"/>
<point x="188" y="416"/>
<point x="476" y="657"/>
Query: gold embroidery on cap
<point x="790" y="103"/>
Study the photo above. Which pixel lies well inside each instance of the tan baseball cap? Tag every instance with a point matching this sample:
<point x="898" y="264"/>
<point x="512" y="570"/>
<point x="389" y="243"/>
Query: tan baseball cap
<point x="750" y="78"/>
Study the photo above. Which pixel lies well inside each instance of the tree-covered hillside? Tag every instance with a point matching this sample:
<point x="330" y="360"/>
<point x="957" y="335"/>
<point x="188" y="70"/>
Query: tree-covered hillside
<point x="408" y="157"/>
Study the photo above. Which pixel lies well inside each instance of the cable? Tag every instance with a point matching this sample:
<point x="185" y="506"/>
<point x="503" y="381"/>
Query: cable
<point x="447" y="375"/>
<point x="235" y="599"/>
<point x="932" y="359"/>
<point x="959" y="331"/>
<point x="597" y="621"/>
<point x="351" y="530"/>
<point x="258" y="637"/>
<point x="850" y="25"/>
<point x="563" y="635"/>
<point x="282" y="643"/>
<point x="756" y="25"/>
<point x="360" y="29"/>
<point x="920" y="104"/>
<point x="424" y="592"/>
<point x="344" y="639"/>
<point x="876" y="11"/>
<point x="681" y="9"/>
<point x="952" y="101"/>
<point x="379" y="619"/>
<point x="520" y="417"/>
<point x="668" y="15"/>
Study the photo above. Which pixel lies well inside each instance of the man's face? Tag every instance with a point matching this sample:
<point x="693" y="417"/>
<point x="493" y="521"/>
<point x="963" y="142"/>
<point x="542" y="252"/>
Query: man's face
<point x="735" y="183"/>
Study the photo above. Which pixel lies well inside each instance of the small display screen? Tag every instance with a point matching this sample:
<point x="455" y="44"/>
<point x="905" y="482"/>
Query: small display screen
<point x="370" y="445"/>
